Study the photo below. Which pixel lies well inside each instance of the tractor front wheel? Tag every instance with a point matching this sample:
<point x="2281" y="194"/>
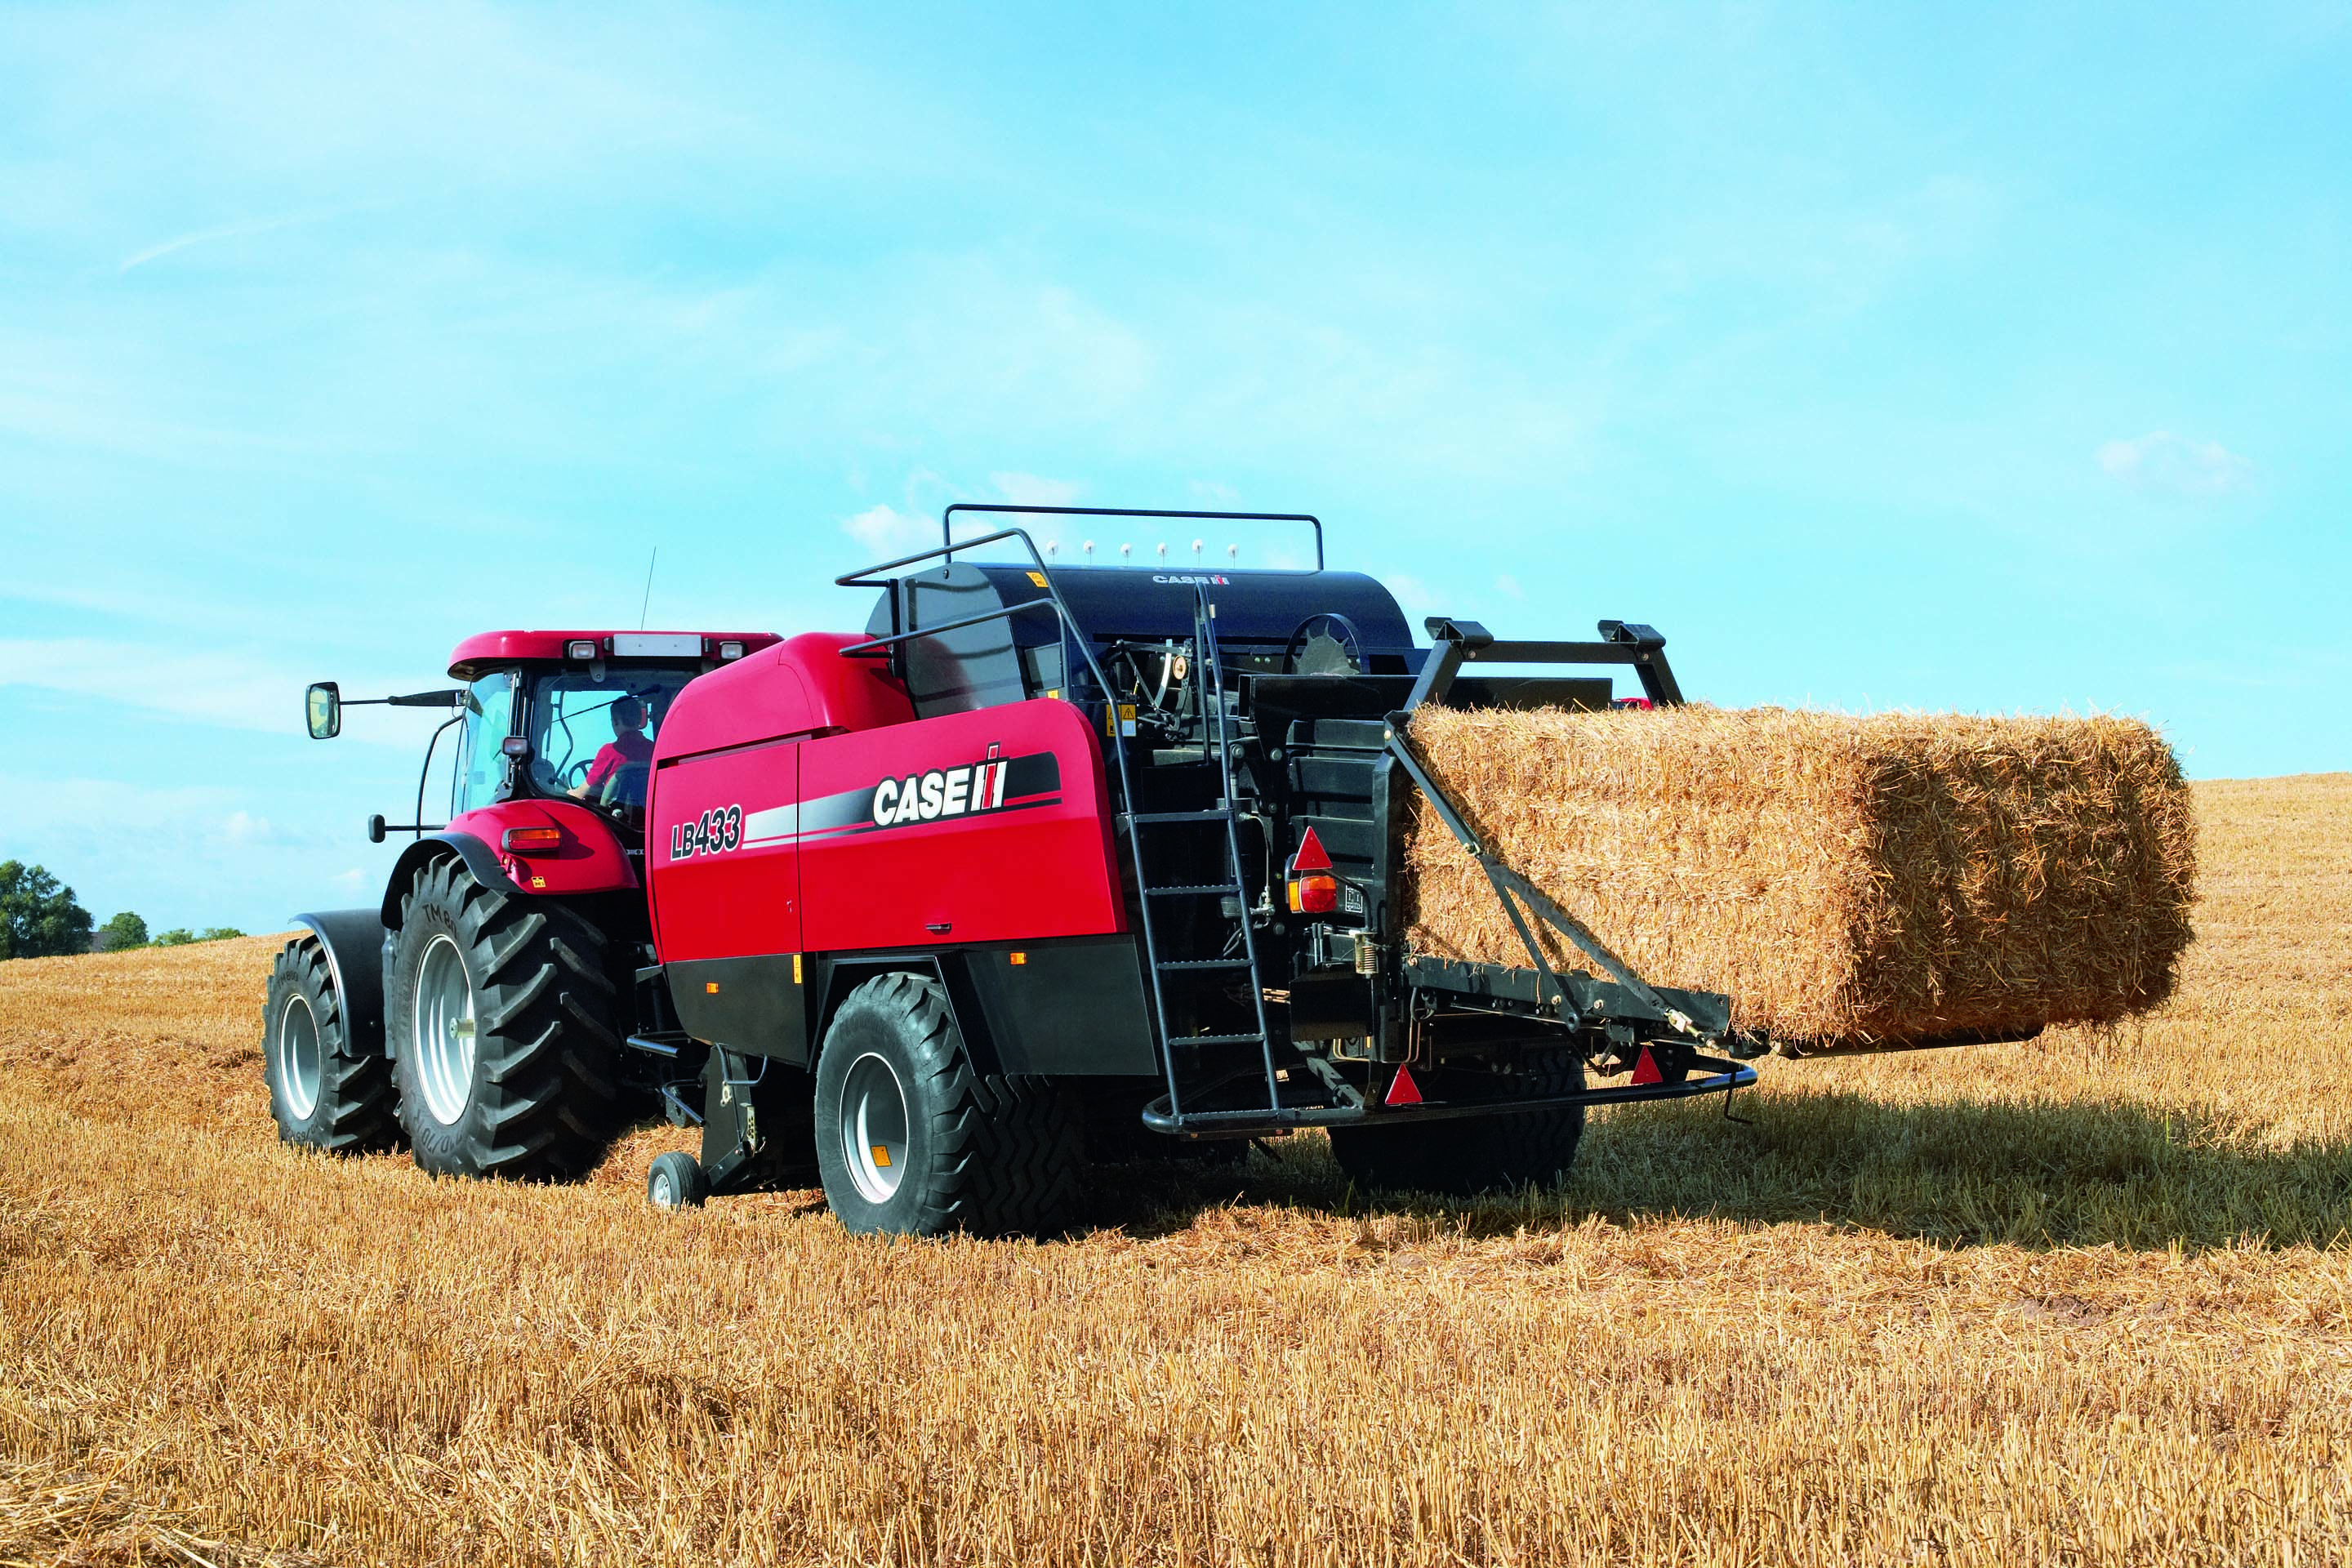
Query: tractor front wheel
<point x="323" y="1094"/>
<point x="913" y="1139"/>
<point x="501" y="1019"/>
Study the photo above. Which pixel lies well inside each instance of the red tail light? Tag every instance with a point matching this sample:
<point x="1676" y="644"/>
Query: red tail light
<point x="531" y="840"/>
<point x="1314" y="890"/>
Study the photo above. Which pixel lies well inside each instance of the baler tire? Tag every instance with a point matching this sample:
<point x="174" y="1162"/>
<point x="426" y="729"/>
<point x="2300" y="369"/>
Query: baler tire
<point x="1475" y="1154"/>
<point x="992" y="1153"/>
<point x="350" y="1095"/>
<point x="542" y="1096"/>
<point x="677" y="1182"/>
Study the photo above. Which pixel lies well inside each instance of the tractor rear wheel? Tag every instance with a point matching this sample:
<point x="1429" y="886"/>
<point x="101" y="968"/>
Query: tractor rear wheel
<point x="913" y="1139"/>
<point x="501" y="1018"/>
<point x="323" y="1094"/>
<point x="1476" y="1154"/>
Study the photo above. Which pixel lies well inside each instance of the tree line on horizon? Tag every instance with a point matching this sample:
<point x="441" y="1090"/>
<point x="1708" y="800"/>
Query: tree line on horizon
<point x="40" y="917"/>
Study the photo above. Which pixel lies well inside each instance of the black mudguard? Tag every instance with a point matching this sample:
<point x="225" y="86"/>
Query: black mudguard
<point x="353" y="941"/>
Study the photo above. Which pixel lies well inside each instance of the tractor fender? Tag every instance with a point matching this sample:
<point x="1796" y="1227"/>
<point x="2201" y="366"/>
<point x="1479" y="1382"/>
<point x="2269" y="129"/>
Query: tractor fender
<point x="478" y="857"/>
<point x="353" y="942"/>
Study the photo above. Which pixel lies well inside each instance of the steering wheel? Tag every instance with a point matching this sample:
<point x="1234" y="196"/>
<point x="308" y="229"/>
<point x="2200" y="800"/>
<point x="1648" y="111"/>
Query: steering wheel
<point x="1324" y="644"/>
<point x="577" y="774"/>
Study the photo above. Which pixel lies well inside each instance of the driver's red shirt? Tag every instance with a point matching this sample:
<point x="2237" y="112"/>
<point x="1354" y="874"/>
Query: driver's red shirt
<point x="624" y="748"/>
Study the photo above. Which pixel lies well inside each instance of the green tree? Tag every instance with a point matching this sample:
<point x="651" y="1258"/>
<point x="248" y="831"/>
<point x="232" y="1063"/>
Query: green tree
<point x="124" y="930"/>
<point x="218" y="933"/>
<point x="38" y="916"/>
<point x="178" y="936"/>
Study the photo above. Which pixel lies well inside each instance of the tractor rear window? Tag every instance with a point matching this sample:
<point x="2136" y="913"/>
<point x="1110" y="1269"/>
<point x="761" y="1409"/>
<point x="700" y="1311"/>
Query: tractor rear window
<point x="594" y="738"/>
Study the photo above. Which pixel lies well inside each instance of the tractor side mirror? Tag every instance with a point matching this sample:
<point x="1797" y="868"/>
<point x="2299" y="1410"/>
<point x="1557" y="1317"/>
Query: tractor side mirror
<point x="323" y="707"/>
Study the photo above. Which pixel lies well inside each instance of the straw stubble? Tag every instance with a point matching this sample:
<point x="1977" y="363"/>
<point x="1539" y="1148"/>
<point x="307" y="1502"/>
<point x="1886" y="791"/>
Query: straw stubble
<point x="1846" y="880"/>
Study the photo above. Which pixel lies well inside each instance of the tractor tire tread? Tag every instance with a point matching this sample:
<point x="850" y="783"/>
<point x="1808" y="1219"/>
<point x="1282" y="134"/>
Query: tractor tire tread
<point x="355" y="1113"/>
<point x="549" y="1047"/>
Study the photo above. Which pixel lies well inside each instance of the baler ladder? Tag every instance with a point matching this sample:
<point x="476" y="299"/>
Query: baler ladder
<point x="1216" y="735"/>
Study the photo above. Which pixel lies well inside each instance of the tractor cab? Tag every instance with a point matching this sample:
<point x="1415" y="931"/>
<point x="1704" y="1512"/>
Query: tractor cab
<point x="572" y="716"/>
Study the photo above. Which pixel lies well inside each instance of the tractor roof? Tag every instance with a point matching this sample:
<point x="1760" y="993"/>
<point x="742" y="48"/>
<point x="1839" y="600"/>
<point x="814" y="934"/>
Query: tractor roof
<point x="485" y="651"/>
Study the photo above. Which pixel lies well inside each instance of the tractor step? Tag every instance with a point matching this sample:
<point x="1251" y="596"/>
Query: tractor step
<point x="1174" y="892"/>
<point x="1153" y="816"/>
<point x="659" y="1042"/>
<point x="1206" y="964"/>
<point x="1220" y="1039"/>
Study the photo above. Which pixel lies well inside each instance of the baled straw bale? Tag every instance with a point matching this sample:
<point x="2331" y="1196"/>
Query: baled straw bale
<point x="1845" y="880"/>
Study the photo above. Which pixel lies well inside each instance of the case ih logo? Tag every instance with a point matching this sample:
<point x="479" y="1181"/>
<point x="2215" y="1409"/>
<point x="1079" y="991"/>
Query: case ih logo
<point x="1213" y="581"/>
<point x="944" y="792"/>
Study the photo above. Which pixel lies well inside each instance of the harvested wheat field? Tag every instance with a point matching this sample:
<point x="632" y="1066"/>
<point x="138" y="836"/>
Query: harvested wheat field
<point x="2083" y="1300"/>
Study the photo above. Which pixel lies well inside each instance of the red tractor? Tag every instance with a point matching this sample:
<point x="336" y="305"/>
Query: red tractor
<point x="1042" y="863"/>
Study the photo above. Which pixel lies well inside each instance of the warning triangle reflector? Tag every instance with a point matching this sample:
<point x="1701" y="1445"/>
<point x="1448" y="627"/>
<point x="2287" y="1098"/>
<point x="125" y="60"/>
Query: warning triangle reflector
<point x="1403" y="1090"/>
<point x="1311" y="856"/>
<point x="1647" y="1070"/>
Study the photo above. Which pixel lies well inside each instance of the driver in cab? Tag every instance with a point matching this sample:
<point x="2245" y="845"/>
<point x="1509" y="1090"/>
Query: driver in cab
<point x="628" y="747"/>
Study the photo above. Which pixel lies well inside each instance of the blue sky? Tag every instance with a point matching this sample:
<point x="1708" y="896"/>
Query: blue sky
<point x="1882" y="356"/>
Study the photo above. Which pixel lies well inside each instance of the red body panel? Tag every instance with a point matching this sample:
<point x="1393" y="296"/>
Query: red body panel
<point x="803" y="688"/>
<point x="485" y="651"/>
<point x="991" y="825"/>
<point x="1038" y="865"/>
<point x="589" y="860"/>
<point x="733" y="892"/>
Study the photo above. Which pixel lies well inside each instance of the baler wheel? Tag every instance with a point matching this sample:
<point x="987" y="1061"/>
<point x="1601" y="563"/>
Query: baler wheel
<point x="677" y="1181"/>
<point x="913" y="1139"/>
<point x="1475" y="1154"/>
<point x="324" y="1095"/>
<point x="501" y="1020"/>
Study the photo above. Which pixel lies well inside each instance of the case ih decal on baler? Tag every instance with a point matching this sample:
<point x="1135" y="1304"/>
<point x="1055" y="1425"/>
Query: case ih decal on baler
<point x="997" y="784"/>
<point x="960" y="792"/>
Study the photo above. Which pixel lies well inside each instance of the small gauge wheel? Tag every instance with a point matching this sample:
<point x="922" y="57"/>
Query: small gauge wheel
<point x="1324" y="644"/>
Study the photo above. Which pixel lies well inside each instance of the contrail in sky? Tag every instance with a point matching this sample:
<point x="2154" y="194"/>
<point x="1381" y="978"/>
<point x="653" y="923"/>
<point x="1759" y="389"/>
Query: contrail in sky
<point x="251" y="225"/>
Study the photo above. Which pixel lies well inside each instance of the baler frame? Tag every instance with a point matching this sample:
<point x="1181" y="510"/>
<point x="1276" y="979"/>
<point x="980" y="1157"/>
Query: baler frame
<point x="1571" y="1003"/>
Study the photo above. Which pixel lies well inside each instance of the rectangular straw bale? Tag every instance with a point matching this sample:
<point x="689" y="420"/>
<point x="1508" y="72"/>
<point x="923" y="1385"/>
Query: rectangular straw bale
<point x="1846" y="880"/>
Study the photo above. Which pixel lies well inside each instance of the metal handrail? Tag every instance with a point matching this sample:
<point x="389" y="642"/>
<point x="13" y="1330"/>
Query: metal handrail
<point x="947" y="526"/>
<point x="865" y="578"/>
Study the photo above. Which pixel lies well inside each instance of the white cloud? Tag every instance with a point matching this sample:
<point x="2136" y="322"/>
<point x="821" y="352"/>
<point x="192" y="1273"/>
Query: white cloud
<point x="887" y="532"/>
<point x="2180" y="465"/>
<point x="243" y="828"/>
<point x="1031" y="490"/>
<point x="1509" y="586"/>
<point x="189" y="683"/>
<point x="234" y="690"/>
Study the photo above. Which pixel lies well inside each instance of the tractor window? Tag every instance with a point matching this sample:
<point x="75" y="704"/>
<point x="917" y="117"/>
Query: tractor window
<point x="594" y="738"/>
<point x="481" y="766"/>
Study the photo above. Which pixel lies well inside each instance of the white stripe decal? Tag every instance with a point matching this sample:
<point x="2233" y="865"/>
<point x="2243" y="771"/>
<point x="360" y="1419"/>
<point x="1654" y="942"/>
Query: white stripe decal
<point x="772" y="826"/>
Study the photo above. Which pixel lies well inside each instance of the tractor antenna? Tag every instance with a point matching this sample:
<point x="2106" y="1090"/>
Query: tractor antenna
<point x="648" y="599"/>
